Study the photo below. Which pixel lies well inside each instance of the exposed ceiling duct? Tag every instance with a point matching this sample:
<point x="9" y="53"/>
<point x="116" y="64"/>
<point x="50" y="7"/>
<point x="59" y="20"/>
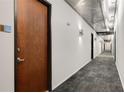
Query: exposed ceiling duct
<point x="99" y="14"/>
<point x="90" y="11"/>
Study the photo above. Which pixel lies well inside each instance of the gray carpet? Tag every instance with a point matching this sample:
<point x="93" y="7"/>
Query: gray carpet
<point x="100" y="75"/>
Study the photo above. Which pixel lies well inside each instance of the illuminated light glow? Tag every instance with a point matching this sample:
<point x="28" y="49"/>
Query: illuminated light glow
<point x="113" y="1"/>
<point x="80" y="40"/>
<point x="79" y="26"/>
<point x="81" y="3"/>
<point x="107" y="28"/>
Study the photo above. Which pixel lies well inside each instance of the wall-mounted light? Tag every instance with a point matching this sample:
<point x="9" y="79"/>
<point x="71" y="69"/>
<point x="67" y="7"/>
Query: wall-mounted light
<point x="68" y="24"/>
<point x="81" y="33"/>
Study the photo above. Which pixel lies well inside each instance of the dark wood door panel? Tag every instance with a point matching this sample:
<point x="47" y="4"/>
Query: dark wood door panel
<point x="32" y="42"/>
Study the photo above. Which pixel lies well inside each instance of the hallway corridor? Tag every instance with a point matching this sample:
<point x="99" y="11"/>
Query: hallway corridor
<point x="100" y="75"/>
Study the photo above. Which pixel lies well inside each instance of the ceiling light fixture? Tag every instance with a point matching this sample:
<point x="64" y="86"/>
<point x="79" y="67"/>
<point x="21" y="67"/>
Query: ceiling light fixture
<point x="113" y="1"/>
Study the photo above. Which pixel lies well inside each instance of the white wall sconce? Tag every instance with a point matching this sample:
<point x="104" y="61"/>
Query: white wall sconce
<point x="68" y="24"/>
<point x="81" y="32"/>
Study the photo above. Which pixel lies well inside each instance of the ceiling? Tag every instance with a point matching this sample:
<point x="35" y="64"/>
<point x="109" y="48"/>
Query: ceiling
<point x="99" y="14"/>
<point x="91" y="11"/>
<point x="109" y="10"/>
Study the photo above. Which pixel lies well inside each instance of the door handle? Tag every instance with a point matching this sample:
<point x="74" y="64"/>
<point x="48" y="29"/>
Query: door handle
<point x="18" y="49"/>
<point x="20" y="60"/>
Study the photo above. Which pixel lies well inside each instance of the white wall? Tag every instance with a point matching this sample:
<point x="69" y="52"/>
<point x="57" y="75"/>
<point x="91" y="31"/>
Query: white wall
<point x="120" y="40"/>
<point x="69" y="51"/>
<point x="7" y="46"/>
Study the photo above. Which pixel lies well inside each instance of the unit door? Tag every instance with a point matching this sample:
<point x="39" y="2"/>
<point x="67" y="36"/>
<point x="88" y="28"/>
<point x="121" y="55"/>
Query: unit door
<point x="31" y="46"/>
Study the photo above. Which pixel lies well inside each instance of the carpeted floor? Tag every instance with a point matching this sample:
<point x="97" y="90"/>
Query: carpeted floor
<point x="100" y="75"/>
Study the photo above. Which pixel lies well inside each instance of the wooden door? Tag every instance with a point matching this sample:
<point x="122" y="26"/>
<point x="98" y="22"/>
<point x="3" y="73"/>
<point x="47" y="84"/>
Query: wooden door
<point x="31" y="46"/>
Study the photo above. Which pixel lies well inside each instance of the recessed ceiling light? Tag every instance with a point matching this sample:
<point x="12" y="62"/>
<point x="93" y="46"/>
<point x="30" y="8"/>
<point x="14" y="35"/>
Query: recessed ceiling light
<point x="113" y="1"/>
